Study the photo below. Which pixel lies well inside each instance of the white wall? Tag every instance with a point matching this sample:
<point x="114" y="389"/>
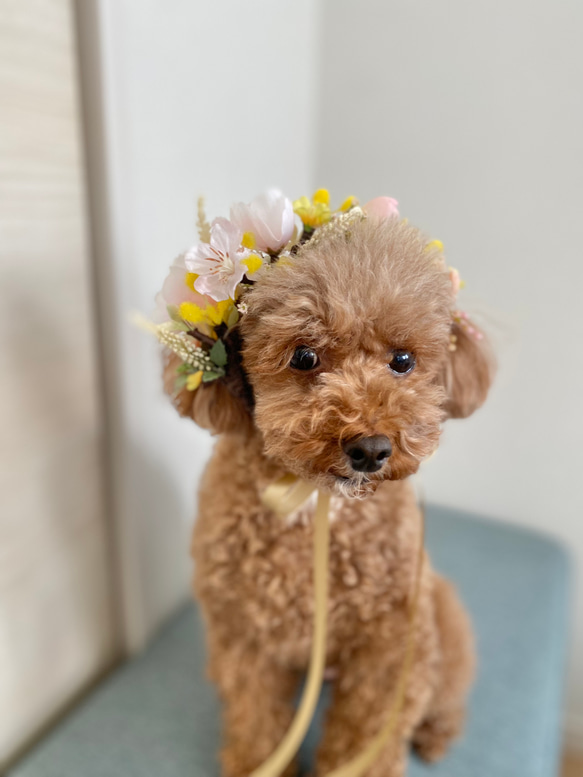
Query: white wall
<point x="471" y="115"/>
<point x="182" y="98"/>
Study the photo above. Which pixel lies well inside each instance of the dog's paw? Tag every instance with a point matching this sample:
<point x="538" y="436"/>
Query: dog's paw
<point x="434" y="736"/>
<point x="234" y="765"/>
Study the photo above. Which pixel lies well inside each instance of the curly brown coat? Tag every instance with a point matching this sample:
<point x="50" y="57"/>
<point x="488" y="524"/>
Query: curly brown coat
<point x="354" y="300"/>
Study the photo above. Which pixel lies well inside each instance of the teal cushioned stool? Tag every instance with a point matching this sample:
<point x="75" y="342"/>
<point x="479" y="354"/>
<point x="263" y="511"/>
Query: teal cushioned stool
<point x="158" y="717"/>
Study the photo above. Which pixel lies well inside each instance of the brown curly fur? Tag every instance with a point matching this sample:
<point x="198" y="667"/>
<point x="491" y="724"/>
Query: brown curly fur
<point x="353" y="300"/>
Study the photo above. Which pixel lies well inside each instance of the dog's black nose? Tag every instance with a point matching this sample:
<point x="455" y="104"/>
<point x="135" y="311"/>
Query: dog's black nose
<point x="368" y="454"/>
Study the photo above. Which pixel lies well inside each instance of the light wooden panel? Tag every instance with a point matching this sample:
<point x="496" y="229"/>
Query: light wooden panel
<point x="55" y="621"/>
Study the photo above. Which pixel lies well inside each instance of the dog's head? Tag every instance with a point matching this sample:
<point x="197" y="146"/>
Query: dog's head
<point x="348" y="364"/>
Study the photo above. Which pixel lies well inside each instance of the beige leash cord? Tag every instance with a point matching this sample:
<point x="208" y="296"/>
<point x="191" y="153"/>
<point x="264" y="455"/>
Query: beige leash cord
<point x="283" y="497"/>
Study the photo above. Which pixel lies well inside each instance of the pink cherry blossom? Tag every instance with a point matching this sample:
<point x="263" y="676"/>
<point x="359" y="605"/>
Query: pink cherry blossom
<point x="382" y="208"/>
<point x="270" y="217"/>
<point x="219" y="264"/>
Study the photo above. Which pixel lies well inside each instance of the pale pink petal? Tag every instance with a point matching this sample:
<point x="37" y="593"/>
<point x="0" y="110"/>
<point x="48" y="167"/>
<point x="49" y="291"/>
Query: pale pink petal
<point x="160" y="314"/>
<point x="267" y="217"/>
<point x="455" y="280"/>
<point x="174" y="292"/>
<point x="201" y="258"/>
<point x="241" y="217"/>
<point x="225" y="236"/>
<point x="382" y="208"/>
<point x="218" y="286"/>
<point x="270" y="217"/>
<point x="288" y="220"/>
<point x="278" y="218"/>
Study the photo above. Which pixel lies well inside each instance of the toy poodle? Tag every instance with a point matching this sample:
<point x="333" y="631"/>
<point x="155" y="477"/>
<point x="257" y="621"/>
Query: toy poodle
<point x="347" y="360"/>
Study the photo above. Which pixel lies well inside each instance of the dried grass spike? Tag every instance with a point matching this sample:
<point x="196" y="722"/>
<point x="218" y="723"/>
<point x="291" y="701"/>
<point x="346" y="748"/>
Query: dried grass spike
<point x="339" y="225"/>
<point x="204" y="228"/>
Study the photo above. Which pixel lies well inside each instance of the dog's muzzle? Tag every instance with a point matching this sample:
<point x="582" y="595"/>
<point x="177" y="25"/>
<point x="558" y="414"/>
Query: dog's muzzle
<point x="368" y="454"/>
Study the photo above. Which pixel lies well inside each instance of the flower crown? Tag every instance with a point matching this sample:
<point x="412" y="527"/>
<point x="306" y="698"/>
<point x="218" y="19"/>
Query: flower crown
<point x="203" y="295"/>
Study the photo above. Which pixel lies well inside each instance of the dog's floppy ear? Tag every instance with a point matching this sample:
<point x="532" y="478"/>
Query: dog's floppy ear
<point x="218" y="406"/>
<point x="468" y="371"/>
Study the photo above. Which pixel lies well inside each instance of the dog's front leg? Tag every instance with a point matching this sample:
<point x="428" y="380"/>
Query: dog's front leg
<point x="364" y="692"/>
<point x="257" y="696"/>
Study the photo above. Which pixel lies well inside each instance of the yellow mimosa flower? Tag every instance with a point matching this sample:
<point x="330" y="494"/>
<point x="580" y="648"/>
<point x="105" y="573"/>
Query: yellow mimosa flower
<point x="322" y="197"/>
<point x="434" y="244"/>
<point x="193" y="381"/>
<point x="189" y="280"/>
<point x="220" y="312"/>
<point x="212" y="315"/>
<point x="248" y="240"/>
<point x="349" y="202"/>
<point x="316" y="211"/>
<point x="253" y="262"/>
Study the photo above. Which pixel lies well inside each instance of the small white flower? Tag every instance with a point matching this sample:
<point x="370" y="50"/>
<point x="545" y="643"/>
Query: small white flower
<point x="270" y="218"/>
<point x="219" y="264"/>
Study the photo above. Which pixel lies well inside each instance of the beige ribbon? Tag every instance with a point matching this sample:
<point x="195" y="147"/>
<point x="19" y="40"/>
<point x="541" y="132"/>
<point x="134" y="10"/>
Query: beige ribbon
<point x="284" y="497"/>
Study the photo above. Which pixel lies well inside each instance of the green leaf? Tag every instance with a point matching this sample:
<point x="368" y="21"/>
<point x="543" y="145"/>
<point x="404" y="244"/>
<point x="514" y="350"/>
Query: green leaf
<point x="218" y="354"/>
<point x="233" y="317"/>
<point x="186" y="369"/>
<point x="208" y="376"/>
<point x="180" y="382"/>
<point x="174" y="314"/>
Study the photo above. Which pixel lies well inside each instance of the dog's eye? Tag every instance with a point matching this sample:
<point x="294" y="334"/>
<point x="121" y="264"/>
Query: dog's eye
<point x="402" y="362"/>
<point x="304" y="358"/>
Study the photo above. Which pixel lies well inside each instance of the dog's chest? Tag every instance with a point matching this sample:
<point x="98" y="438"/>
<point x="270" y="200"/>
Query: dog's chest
<point x="369" y="568"/>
